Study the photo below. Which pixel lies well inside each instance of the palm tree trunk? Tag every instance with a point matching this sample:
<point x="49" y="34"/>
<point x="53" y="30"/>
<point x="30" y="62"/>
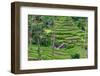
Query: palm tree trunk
<point x="39" y="51"/>
<point x="53" y="44"/>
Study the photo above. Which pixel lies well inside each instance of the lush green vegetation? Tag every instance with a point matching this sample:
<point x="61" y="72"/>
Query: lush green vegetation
<point x="57" y="37"/>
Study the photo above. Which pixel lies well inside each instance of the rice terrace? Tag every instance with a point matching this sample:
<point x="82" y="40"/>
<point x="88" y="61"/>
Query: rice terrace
<point x="57" y="37"/>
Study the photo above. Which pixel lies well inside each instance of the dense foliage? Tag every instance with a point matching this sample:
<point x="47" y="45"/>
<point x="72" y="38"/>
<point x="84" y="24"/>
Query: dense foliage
<point x="57" y="37"/>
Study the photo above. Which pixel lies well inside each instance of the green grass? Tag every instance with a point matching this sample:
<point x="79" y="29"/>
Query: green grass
<point x="65" y="53"/>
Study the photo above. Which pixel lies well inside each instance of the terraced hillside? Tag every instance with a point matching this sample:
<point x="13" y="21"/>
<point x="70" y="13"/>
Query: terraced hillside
<point x="62" y="38"/>
<point x="70" y="34"/>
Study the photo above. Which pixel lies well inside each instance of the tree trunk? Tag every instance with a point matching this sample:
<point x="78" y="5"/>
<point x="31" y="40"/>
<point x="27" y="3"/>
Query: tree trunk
<point x="53" y="44"/>
<point x="39" y="51"/>
<point x="53" y="40"/>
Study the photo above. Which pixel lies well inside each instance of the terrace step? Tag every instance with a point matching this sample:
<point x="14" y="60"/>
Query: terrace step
<point x="65" y="29"/>
<point x="68" y="38"/>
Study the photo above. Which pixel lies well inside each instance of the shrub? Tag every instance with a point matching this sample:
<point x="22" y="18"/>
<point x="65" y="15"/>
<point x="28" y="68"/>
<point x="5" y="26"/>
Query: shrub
<point x="75" y="56"/>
